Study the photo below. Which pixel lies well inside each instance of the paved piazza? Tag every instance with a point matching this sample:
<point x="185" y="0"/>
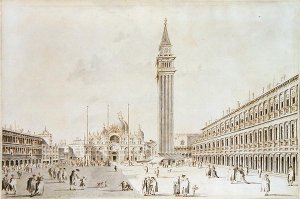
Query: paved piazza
<point x="212" y="188"/>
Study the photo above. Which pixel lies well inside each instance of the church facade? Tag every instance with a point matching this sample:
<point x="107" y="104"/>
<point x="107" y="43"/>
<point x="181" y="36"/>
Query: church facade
<point x="111" y="144"/>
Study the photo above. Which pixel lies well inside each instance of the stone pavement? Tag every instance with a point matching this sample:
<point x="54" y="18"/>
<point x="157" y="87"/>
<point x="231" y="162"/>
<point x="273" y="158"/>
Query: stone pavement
<point x="53" y="189"/>
<point x="213" y="187"/>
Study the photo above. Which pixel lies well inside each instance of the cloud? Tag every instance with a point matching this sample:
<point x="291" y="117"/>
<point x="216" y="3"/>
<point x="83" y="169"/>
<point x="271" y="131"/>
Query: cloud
<point x="120" y="37"/>
<point x="88" y="73"/>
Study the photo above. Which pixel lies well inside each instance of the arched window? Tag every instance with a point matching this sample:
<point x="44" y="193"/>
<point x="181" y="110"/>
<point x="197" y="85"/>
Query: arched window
<point x="114" y="138"/>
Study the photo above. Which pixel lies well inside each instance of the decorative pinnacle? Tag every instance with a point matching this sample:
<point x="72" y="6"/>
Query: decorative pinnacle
<point x="166" y="21"/>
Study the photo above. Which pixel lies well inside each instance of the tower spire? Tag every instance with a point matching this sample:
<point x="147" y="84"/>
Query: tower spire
<point x="165" y="38"/>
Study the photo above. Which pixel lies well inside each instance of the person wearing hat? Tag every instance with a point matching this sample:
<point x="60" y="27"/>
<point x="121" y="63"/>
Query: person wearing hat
<point x="73" y="178"/>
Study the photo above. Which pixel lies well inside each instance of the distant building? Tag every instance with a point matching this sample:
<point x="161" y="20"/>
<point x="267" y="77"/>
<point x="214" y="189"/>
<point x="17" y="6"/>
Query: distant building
<point x="183" y="144"/>
<point x="63" y="151"/>
<point x="77" y="150"/>
<point x="262" y="134"/>
<point x="50" y="150"/>
<point x="151" y="149"/>
<point x="19" y="148"/>
<point x="111" y="144"/>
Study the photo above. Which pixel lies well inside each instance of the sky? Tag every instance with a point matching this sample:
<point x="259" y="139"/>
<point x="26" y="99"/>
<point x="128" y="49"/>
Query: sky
<point x="60" y="56"/>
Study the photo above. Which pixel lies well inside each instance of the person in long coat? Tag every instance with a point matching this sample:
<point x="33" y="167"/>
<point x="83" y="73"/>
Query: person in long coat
<point x="5" y="183"/>
<point x="291" y="176"/>
<point x="39" y="186"/>
<point x="13" y="184"/>
<point x="184" y="185"/>
<point x="153" y="186"/>
<point x="145" y="188"/>
<point x="265" y="185"/>
<point x="176" y="188"/>
<point x="73" y="180"/>
<point x="31" y="185"/>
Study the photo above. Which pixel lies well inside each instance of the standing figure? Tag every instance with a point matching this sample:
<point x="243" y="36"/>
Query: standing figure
<point x="291" y="176"/>
<point x="146" y="169"/>
<point x="185" y="189"/>
<point x="176" y="188"/>
<point x="247" y="170"/>
<point x="5" y="183"/>
<point x="82" y="183"/>
<point x="145" y="187"/>
<point x="39" y="186"/>
<point x="116" y="169"/>
<point x="265" y="185"/>
<point x="50" y="172"/>
<point x="208" y="171"/>
<point x="259" y="171"/>
<point x="19" y="172"/>
<point x="13" y="184"/>
<point x="73" y="180"/>
<point x="157" y="172"/>
<point x="31" y="185"/>
<point x="153" y="186"/>
<point x="64" y="175"/>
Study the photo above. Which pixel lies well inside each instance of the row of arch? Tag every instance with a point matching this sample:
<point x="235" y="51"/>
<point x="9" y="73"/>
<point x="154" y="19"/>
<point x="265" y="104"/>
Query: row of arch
<point x="276" y="163"/>
<point x="20" y="162"/>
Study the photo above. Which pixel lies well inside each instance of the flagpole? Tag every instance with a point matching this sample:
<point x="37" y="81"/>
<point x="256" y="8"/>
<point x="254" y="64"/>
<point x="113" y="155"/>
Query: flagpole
<point x="128" y="135"/>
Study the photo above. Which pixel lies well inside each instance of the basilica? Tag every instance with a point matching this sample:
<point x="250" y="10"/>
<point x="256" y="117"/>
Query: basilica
<point x="111" y="144"/>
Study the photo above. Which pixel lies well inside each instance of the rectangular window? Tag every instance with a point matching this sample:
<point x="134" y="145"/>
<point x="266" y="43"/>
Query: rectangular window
<point x="287" y="102"/>
<point x="293" y="100"/>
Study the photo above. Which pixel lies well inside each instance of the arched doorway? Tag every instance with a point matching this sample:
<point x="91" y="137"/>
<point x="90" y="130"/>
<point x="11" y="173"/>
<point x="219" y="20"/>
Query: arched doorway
<point x="114" y="156"/>
<point x="282" y="164"/>
<point x="276" y="165"/>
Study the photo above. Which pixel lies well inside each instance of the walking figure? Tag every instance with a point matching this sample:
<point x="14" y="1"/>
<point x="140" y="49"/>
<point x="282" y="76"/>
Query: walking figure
<point x="265" y="185"/>
<point x="291" y="176"/>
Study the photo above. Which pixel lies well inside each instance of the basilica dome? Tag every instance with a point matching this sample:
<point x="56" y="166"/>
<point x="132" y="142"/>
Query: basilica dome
<point x="140" y="133"/>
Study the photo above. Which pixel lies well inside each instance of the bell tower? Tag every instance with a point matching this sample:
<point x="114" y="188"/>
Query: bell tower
<point x="165" y="82"/>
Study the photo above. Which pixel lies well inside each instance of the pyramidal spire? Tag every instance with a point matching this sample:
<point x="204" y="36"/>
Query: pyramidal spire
<point x="165" y="38"/>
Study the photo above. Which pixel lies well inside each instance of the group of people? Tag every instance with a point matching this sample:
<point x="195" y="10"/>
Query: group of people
<point x="9" y="185"/>
<point x="35" y="185"/>
<point x="211" y="172"/>
<point x="182" y="186"/>
<point x="76" y="181"/>
<point x="58" y="173"/>
<point x="126" y="186"/>
<point x="150" y="186"/>
<point x="237" y="174"/>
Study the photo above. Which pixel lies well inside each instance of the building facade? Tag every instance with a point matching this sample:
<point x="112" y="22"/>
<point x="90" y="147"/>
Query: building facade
<point x="262" y="133"/>
<point x="183" y="144"/>
<point x="50" y="150"/>
<point x="19" y="148"/>
<point x="165" y="81"/>
<point x="77" y="150"/>
<point x="111" y="144"/>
